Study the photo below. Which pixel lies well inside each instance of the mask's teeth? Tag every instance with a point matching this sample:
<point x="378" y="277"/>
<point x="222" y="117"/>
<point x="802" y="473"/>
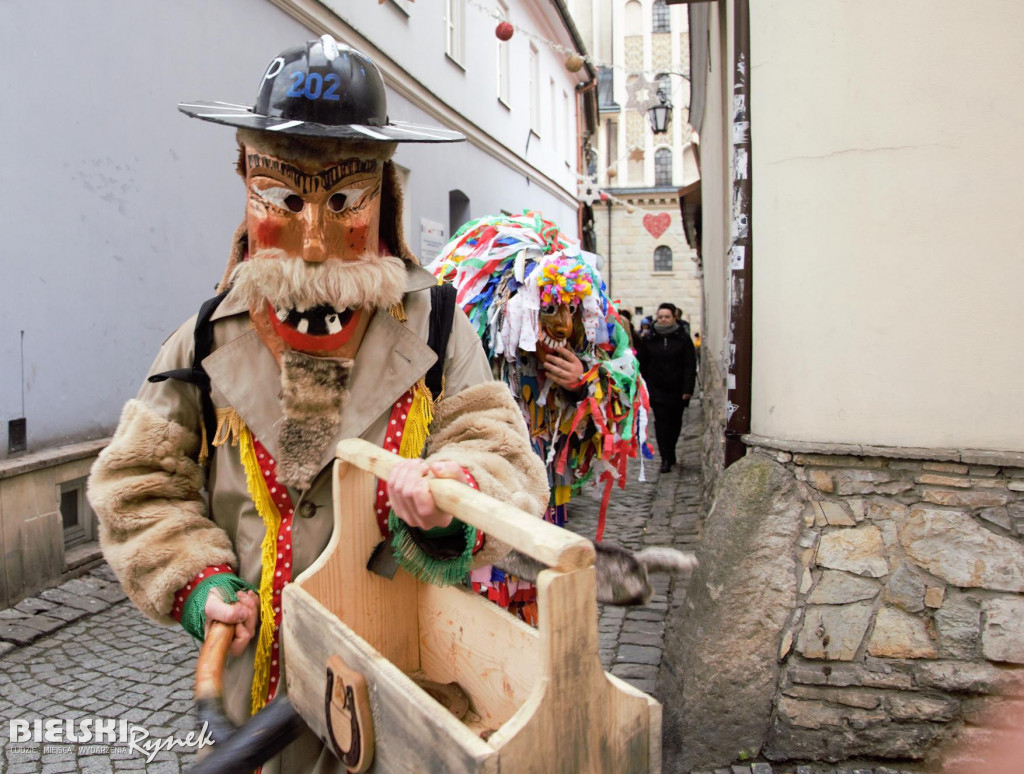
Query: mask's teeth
<point x="282" y="314"/>
<point x="301" y="309"/>
<point x="303" y="325"/>
<point x="333" y="323"/>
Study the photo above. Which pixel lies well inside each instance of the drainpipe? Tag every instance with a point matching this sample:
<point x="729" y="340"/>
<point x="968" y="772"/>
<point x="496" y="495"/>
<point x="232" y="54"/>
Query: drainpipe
<point x="581" y="90"/>
<point x="608" y="266"/>
<point x="741" y="248"/>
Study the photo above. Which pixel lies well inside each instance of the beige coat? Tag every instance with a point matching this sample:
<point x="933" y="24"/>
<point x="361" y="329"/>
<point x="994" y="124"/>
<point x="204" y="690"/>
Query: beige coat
<point x="146" y="486"/>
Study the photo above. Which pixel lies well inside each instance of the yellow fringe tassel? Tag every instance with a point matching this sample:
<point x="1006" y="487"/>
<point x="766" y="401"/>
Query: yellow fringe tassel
<point x="398" y="312"/>
<point x="229" y="427"/>
<point x="204" y="451"/>
<point x="417" y="424"/>
<point x="272" y="520"/>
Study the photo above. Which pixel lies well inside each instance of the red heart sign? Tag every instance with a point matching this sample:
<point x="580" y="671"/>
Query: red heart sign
<point x="656" y="224"/>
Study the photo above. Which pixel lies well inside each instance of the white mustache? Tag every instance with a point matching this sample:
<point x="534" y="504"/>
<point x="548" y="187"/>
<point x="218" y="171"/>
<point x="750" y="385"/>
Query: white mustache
<point x="371" y="281"/>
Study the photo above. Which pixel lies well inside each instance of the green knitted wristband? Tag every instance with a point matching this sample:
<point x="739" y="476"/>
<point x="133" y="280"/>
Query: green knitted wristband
<point x="193" y="615"/>
<point x="414" y="560"/>
<point x="454" y="528"/>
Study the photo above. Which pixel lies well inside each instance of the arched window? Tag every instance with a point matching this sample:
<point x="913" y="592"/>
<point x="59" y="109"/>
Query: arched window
<point x="659" y="14"/>
<point x="458" y="210"/>
<point x="663" y="167"/>
<point x="664" y="86"/>
<point x="663" y="258"/>
<point x="634" y="18"/>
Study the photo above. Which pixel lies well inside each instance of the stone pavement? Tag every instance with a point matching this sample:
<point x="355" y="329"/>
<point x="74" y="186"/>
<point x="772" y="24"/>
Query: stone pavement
<point x="81" y="651"/>
<point x="664" y="510"/>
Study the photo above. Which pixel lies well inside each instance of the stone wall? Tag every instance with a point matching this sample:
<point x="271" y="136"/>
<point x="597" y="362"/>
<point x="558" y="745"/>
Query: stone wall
<point x="910" y="610"/>
<point x="881" y="589"/>
<point x="713" y="401"/>
<point x="631" y="276"/>
<point x="31" y="526"/>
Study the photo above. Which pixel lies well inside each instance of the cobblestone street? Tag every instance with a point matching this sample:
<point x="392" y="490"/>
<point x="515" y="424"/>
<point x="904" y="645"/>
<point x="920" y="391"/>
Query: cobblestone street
<point x="110" y="664"/>
<point x="83" y="651"/>
<point x="664" y="510"/>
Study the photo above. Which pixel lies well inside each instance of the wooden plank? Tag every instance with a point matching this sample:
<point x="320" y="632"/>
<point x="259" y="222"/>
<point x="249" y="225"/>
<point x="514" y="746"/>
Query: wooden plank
<point x="561" y="712"/>
<point x="654" y="709"/>
<point x="555" y="547"/>
<point x="383" y="612"/>
<point x="414" y="734"/>
<point x="491" y="654"/>
<point x="576" y="720"/>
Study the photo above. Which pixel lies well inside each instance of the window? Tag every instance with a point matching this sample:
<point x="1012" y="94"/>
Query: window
<point x="75" y="513"/>
<point x="611" y="143"/>
<point x="659" y="17"/>
<point x="664" y="86"/>
<point x="503" y="59"/>
<point x="556" y="134"/>
<point x="534" y="86"/>
<point x="570" y="137"/>
<point x="634" y="18"/>
<point x="454" y="42"/>
<point x="458" y="210"/>
<point x="663" y="167"/>
<point x="605" y="89"/>
<point x="663" y="258"/>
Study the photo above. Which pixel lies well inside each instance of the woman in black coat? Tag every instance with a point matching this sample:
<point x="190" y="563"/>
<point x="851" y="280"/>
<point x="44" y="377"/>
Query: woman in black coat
<point x="669" y="367"/>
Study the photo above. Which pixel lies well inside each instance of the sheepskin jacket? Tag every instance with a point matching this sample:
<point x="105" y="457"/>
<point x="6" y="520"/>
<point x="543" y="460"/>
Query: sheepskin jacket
<point x="156" y="529"/>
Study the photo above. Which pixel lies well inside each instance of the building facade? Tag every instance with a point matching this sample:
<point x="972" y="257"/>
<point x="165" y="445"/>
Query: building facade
<point x="147" y="199"/>
<point x="862" y="591"/>
<point x="643" y="50"/>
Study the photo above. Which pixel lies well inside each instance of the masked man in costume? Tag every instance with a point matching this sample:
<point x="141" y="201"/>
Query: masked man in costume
<point x="320" y="335"/>
<point x="553" y="337"/>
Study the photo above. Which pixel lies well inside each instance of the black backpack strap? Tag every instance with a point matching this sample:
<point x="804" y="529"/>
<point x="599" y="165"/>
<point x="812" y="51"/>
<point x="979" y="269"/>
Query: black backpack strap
<point x="203" y="346"/>
<point x="442" y="314"/>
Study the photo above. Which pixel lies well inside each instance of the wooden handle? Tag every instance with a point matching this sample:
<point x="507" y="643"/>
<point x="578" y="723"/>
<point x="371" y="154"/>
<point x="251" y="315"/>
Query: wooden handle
<point x="556" y="547"/>
<point x="210" y="665"/>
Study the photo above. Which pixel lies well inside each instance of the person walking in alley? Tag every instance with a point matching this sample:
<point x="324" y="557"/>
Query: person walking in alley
<point x="669" y="366"/>
<point x="325" y="329"/>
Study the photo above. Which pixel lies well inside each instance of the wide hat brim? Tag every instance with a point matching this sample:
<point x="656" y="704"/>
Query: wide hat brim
<point x="232" y="114"/>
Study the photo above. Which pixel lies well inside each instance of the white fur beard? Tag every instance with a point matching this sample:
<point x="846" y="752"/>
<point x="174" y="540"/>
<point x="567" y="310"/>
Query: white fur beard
<point x="371" y="281"/>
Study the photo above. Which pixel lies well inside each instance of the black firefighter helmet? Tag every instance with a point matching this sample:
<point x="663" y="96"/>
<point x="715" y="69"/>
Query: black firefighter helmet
<point x="321" y="89"/>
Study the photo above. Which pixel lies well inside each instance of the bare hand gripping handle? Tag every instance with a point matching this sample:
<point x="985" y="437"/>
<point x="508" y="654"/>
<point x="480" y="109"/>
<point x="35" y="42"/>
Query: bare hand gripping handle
<point x="553" y="546"/>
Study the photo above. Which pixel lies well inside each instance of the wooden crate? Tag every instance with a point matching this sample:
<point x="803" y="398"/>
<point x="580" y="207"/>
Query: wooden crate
<point x="542" y="692"/>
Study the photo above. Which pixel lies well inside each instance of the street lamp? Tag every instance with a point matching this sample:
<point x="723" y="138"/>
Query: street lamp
<point x="659" y="115"/>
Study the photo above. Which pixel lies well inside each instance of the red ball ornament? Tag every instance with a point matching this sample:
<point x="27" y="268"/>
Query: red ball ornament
<point x="504" y="30"/>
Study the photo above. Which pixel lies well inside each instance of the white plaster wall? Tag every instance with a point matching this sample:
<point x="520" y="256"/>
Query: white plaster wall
<point x="489" y="185"/>
<point x="415" y="41"/>
<point x="118" y="210"/>
<point x="887" y="226"/>
<point x="716" y="185"/>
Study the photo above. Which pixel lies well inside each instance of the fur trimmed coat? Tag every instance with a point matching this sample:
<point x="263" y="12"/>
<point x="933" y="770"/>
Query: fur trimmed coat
<point x="146" y="487"/>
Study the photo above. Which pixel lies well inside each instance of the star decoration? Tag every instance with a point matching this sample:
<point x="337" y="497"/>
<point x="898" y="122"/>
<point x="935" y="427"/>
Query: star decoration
<point x="642" y="93"/>
<point x="588" y="192"/>
<point x="636" y="154"/>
